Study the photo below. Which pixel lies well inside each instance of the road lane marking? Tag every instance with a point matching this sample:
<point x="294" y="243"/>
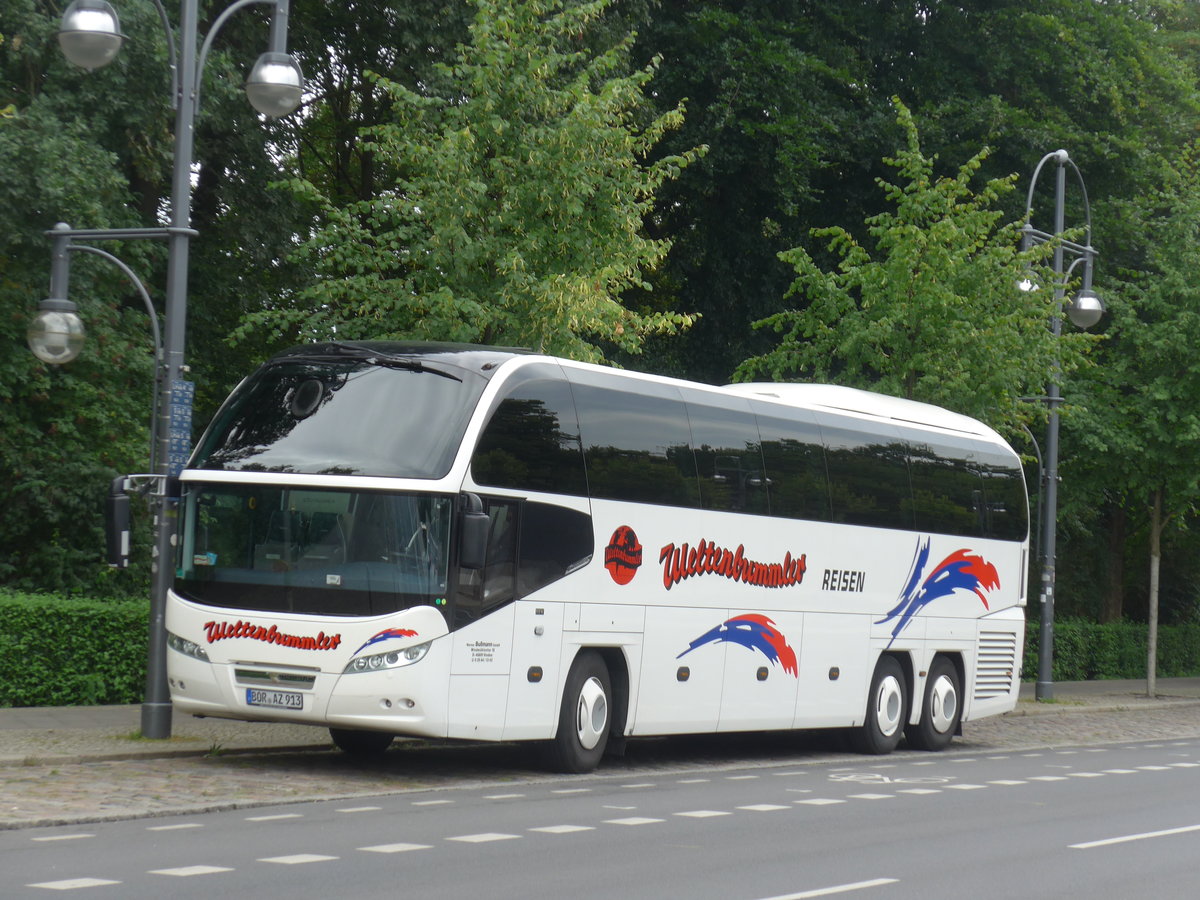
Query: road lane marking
<point x="1006" y="782"/>
<point x="432" y="802"/>
<point x="836" y="889"/>
<point x="632" y="820"/>
<point x="1107" y="842"/>
<point x="395" y="848"/>
<point x="706" y="813"/>
<point x="297" y="859"/>
<point x="187" y="871"/>
<point x="919" y="791"/>
<point x="360" y="809"/>
<point x="64" y="837"/>
<point x="179" y="827"/>
<point x="818" y="801"/>
<point x="71" y="884"/>
<point x="485" y="838"/>
<point x="275" y="818"/>
<point x="563" y="829"/>
<point x="871" y="796"/>
<point x="503" y="796"/>
<point x="763" y="807"/>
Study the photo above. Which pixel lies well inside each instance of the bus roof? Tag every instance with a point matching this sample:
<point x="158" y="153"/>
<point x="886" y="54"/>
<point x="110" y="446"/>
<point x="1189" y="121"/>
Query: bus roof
<point x="866" y="403"/>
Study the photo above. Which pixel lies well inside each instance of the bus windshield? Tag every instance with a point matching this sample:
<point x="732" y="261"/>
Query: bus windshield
<point x="353" y="416"/>
<point x="328" y="552"/>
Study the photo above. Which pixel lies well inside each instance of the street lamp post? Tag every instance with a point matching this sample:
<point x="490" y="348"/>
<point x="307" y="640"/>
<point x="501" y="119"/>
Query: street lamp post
<point x="1085" y="310"/>
<point x="90" y="36"/>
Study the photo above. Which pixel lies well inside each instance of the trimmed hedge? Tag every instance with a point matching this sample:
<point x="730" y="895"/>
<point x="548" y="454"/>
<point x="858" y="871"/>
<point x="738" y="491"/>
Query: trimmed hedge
<point x="1088" y="651"/>
<point x="57" y="651"/>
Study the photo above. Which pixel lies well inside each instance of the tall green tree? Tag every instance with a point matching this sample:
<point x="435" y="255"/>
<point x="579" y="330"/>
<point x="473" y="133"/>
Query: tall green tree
<point x="516" y="211"/>
<point x="930" y="309"/>
<point x="1146" y="427"/>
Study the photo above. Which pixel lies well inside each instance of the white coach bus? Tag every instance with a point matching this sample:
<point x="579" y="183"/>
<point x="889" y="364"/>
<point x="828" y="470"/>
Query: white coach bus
<point x="454" y="541"/>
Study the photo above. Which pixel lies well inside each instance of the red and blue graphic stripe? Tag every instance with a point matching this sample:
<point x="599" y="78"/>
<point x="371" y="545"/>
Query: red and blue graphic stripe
<point x="386" y="635"/>
<point x="753" y="632"/>
<point x="962" y="570"/>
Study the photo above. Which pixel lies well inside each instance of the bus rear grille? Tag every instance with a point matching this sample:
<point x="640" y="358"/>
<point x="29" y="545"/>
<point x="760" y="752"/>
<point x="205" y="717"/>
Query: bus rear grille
<point x="997" y="664"/>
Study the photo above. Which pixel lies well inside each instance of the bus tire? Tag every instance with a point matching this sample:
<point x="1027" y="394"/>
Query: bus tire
<point x="360" y="744"/>
<point x="941" y="709"/>
<point x="585" y="717"/>
<point x="887" y="710"/>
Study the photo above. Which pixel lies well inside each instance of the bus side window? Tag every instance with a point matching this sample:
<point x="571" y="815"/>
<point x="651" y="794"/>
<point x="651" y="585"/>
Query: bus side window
<point x="637" y="442"/>
<point x="494" y="585"/>
<point x="794" y="460"/>
<point x="728" y="454"/>
<point x="531" y="442"/>
<point x="554" y="541"/>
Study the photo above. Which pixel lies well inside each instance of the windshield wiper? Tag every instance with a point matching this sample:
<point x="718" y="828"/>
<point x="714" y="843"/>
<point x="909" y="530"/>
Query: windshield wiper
<point x="336" y="350"/>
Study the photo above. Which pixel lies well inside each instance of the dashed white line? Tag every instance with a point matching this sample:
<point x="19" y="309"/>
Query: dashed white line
<point x="432" y="802"/>
<point x="965" y="787"/>
<point x="274" y="818"/>
<point x="485" y="838"/>
<point x="818" y="801"/>
<point x="703" y="813"/>
<point x="763" y="807"/>
<point x="64" y="837"/>
<point x="1006" y="782"/>
<point x="836" y="889"/>
<point x="297" y="859"/>
<point x="563" y="829"/>
<point x="632" y="820"/>
<point x="71" y="884"/>
<point x="360" y="809"/>
<point x="503" y="796"/>
<point x="871" y="796"/>
<point x="180" y="827"/>
<point x="919" y="791"/>
<point x="395" y="848"/>
<point x="188" y="871"/>
<point x="1135" y="837"/>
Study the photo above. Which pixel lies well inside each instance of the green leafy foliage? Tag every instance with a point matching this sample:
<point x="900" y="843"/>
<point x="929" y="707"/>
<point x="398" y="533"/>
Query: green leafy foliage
<point x="515" y="215"/>
<point x="932" y="312"/>
<point x="1085" y="650"/>
<point x="57" y="651"/>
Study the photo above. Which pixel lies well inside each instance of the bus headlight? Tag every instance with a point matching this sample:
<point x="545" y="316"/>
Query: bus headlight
<point x="393" y="659"/>
<point x="186" y="647"/>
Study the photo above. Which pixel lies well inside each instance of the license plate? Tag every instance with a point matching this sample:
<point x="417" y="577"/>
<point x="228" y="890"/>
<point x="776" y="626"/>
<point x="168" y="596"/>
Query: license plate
<point x="276" y="699"/>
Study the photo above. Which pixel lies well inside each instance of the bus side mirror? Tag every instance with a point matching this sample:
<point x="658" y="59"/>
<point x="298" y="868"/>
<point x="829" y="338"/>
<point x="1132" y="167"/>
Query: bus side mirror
<point x="116" y="523"/>
<point x="472" y="533"/>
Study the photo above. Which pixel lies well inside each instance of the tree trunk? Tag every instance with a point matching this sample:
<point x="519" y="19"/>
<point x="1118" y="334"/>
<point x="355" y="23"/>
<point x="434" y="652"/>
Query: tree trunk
<point x="1155" y="558"/>
<point x="1112" y="607"/>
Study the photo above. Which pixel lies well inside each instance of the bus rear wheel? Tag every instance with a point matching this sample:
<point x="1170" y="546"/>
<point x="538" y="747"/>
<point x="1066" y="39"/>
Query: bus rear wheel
<point x="887" y="710"/>
<point x="941" y="709"/>
<point x="585" y="717"/>
<point x="360" y="744"/>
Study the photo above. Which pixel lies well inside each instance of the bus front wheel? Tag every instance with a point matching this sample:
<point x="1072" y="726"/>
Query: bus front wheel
<point x="887" y="710"/>
<point x="941" y="710"/>
<point x="360" y="744"/>
<point x="585" y="716"/>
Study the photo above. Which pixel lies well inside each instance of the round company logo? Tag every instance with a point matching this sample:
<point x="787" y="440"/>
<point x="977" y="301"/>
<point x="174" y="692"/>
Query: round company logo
<point x="623" y="555"/>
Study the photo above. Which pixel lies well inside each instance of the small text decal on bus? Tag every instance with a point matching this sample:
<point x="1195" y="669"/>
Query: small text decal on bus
<point x="220" y="631"/>
<point x="623" y="555"/>
<point x="706" y="558"/>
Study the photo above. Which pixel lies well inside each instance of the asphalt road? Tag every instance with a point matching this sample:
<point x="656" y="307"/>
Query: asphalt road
<point x="1112" y="820"/>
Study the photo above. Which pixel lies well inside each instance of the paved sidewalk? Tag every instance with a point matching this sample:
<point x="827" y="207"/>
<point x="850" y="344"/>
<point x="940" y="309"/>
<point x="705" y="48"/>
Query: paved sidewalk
<point x="44" y="735"/>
